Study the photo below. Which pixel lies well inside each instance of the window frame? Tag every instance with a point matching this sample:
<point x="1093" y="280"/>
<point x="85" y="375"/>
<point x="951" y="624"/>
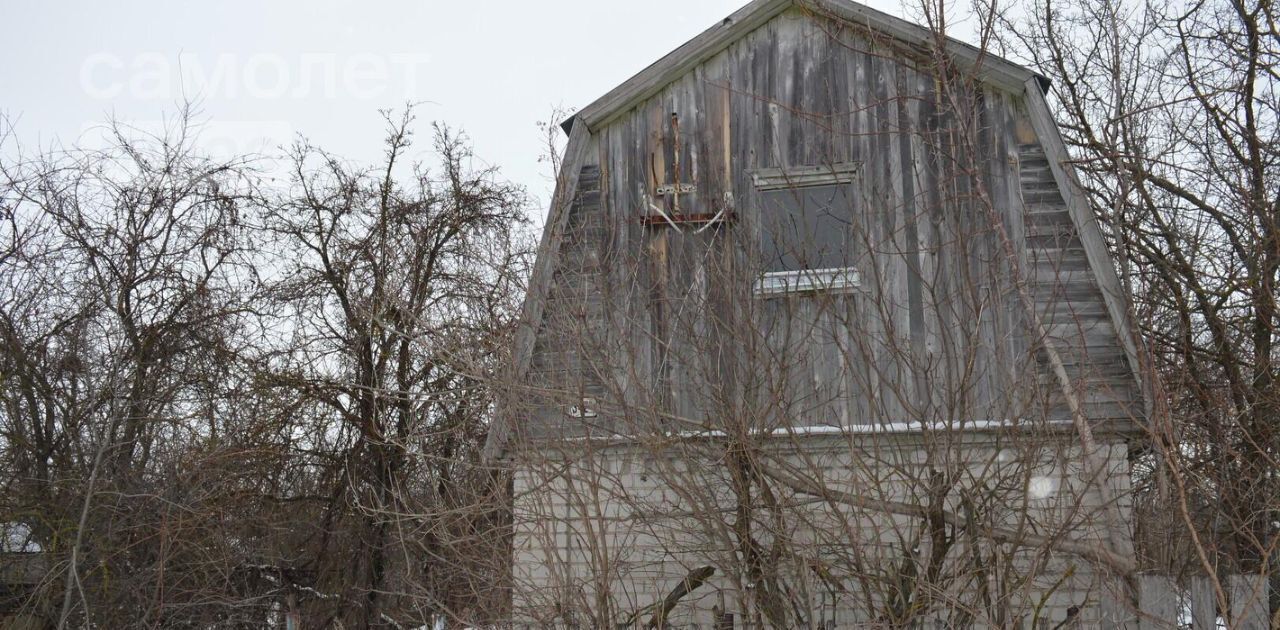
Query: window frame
<point x="789" y="282"/>
<point x="830" y="280"/>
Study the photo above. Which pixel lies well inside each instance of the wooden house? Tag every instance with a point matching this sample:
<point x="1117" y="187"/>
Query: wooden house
<point x="822" y="333"/>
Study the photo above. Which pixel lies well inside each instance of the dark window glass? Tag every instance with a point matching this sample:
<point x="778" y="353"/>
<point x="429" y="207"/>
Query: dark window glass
<point x="806" y="228"/>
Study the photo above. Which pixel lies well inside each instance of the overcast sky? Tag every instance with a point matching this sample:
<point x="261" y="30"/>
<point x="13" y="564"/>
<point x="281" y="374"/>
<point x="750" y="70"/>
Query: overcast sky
<point x="263" y="72"/>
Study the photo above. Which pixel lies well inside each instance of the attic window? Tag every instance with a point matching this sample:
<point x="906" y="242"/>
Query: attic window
<point x="806" y="219"/>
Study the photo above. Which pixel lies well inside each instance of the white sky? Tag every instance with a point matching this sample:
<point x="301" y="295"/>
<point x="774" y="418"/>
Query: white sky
<point x="266" y="71"/>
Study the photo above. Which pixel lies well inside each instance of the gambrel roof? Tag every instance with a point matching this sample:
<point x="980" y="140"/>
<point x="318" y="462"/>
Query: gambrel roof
<point x="986" y="67"/>
<point x="647" y="82"/>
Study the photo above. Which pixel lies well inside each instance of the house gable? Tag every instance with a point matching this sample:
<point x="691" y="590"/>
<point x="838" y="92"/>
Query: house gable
<point x="726" y="81"/>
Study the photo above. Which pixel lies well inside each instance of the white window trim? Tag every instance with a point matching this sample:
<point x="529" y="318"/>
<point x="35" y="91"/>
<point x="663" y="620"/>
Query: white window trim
<point x="802" y="176"/>
<point x="833" y="280"/>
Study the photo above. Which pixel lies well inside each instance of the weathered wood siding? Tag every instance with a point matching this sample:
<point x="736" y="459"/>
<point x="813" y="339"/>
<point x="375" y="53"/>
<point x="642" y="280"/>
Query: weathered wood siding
<point x="1070" y="300"/>
<point x="562" y="371"/>
<point x="950" y="183"/>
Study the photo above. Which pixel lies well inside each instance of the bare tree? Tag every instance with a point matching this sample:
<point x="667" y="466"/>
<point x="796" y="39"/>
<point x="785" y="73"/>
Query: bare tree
<point x="122" y="306"/>
<point x="393" y="292"/>
<point x="1171" y="112"/>
<point x="228" y="404"/>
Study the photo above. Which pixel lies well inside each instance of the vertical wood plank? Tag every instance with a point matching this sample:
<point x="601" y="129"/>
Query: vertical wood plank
<point x="1158" y="598"/>
<point x="1115" y="610"/>
<point x="1249" y="602"/>
<point x="1204" y="613"/>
